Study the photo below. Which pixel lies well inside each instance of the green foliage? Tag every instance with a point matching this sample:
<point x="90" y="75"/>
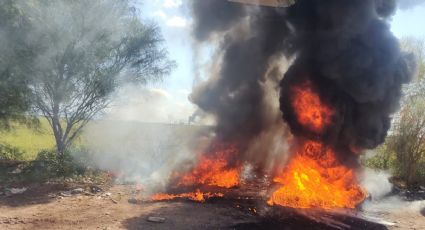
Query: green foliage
<point x="382" y="159"/>
<point x="11" y="153"/>
<point x="14" y="57"/>
<point x="49" y="164"/>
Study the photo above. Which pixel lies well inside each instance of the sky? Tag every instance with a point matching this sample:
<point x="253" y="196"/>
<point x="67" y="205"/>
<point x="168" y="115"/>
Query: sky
<point x="167" y="101"/>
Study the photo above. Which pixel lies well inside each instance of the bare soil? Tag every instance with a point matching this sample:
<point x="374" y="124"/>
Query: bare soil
<point x="41" y="208"/>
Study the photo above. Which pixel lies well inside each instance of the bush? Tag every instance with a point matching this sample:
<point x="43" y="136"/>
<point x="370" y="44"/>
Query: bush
<point x="8" y="152"/>
<point x="49" y="165"/>
<point x="383" y="159"/>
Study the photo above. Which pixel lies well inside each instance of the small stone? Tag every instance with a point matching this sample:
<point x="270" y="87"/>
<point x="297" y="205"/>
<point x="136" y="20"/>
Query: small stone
<point x="16" y="171"/>
<point x="156" y="219"/>
<point x="15" y="191"/>
<point x="65" y="194"/>
<point x="77" y="191"/>
<point x="132" y="201"/>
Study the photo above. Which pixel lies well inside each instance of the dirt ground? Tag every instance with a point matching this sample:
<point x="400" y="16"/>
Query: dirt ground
<point x="39" y="208"/>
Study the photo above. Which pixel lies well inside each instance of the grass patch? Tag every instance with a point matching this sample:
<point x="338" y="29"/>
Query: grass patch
<point x="29" y="140"/>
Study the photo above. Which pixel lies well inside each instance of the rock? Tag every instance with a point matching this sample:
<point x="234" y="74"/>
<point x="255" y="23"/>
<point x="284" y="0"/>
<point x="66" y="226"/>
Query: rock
<point x="14" y="191"/>
<point x="16" y="171"/>
<point x="132" y="201"/>
<point x="108" y="194"/>
<point x="156" y="219"/>
<point x="77" y="191"/>
<point x="65" y="194"/>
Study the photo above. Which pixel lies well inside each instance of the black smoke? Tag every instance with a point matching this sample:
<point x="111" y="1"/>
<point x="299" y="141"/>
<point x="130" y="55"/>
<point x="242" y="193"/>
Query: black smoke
<point x="249" y="43"/>
<point x="344" y="47"/>
<point x="347" y="50"/>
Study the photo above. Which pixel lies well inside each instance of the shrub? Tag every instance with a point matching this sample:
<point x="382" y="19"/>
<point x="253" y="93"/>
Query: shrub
<point x="8" y="152"/>
<point x="49" y="165"/>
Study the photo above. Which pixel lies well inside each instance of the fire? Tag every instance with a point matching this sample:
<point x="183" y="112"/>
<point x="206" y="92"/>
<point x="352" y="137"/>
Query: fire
<point x="195" y="196"/>
<point x="310" y="111"/>
<point x="315" y="179"/>
<point x="213" y="169"/>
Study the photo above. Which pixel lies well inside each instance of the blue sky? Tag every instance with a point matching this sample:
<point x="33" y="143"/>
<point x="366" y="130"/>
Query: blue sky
<point x="174" y="19"/>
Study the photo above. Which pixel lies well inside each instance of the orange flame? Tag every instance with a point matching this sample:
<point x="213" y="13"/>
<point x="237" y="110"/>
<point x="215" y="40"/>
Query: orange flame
<point x="195" y="196"/>
<point x="213" y="169"/>
<point x="315" y="179"/>
<point x="309" y="109"/>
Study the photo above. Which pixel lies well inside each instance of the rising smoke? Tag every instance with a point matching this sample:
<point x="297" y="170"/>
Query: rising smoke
<point x="242" y="90"/>
<point x="345" y="48"/>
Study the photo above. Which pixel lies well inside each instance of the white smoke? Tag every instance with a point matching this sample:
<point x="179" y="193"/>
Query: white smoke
<point x="144" y="137"/>
<point x="150" y="105"/>
<point x="377" y="184"/>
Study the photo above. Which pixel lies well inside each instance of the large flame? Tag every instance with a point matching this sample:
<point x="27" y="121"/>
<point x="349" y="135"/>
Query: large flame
<point x="316" y="179"/>
<point x="309" y="109"/>
<point x="213" y="169"/>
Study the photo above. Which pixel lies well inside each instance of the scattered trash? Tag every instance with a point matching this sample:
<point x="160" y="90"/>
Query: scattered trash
<point x="95" y="189"/>
<point x="156" y="219"/>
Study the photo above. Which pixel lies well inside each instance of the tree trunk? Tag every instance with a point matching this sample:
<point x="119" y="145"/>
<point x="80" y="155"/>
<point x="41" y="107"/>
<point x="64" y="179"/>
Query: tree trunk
<point x="57" y="131"/>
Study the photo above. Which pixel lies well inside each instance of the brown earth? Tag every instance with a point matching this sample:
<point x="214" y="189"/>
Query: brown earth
<point x="41" y="208"/>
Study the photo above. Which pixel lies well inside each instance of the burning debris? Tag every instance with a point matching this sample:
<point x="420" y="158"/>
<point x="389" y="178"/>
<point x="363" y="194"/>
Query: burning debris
<point x="337" y="97"/>
<point x="314" y="178"/>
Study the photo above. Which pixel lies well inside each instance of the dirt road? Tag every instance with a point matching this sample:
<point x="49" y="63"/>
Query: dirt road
<point x="39" y="209"/>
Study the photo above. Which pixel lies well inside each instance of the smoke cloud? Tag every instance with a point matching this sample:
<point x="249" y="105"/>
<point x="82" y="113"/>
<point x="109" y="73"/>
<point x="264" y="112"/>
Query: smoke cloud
<point x="344" y="48"/>
<point x="248" y="65"/>
<point x="354" y="62"/>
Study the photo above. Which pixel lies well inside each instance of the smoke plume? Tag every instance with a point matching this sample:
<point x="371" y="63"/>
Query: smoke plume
<point x="344" y="48"/>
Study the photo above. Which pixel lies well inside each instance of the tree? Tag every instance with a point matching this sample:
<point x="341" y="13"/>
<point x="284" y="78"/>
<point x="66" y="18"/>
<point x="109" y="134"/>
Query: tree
<point x="408" y="139"/>
<point x="407" y="136"/>
<point x="14" y="97"/>
<point x="86" y="50"/>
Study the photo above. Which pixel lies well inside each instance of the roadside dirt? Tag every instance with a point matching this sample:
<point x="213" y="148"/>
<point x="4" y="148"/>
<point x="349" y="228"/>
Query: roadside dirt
<point x="39" y="209"/>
